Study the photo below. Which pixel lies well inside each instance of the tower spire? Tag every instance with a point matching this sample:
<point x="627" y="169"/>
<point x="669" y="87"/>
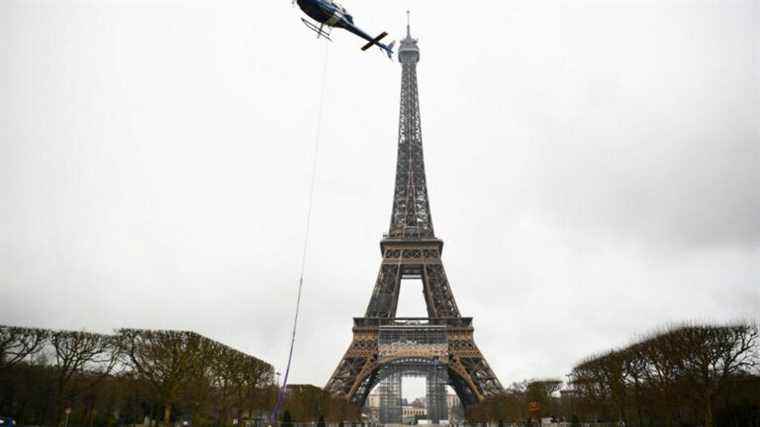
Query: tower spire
<point x="410" y="217"/>
<point x="408" y="31"/>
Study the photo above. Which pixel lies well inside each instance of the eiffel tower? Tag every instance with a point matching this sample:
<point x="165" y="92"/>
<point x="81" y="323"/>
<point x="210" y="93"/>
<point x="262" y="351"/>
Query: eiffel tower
<point x="440" y="346"/>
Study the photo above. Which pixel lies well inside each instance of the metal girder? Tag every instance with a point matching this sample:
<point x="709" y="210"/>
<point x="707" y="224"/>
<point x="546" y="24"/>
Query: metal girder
<point x="411" y="250"/>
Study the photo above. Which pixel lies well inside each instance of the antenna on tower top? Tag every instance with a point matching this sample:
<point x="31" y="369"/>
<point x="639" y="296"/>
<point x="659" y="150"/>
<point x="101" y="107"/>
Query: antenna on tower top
<point x="408" y="32"/>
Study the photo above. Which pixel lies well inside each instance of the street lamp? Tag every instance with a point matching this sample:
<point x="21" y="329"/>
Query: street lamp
<point x="278" y="379"/>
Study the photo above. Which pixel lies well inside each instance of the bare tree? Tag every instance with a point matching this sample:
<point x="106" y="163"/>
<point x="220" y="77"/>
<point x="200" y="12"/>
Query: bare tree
<point x="664" y="372"/>
<point x="677" y="374"/>
<point x="542" y="391"/>
<point x="592" y="385"/>
<point x="81" y="360"/>
<point x="17" y="344"/>
<point x="102" y="375"/>
<point x="166" y="360"/>
<point x="256" y="388"/>
<point x="711" y="355"/>
<point x="227" y="378"/>
<point x="634" y="368"/>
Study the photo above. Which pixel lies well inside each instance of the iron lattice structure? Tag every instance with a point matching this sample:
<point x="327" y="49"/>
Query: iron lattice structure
<point x="390" y="386"/>
<point x="440" y="346"/>
<point x="389" y="389"/>
<point x="412" y="349"/>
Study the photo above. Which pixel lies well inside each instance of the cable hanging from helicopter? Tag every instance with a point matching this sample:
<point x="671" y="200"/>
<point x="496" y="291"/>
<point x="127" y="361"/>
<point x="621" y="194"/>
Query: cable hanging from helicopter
<point x="329" y="14"/>
<point x="282" y="391"/>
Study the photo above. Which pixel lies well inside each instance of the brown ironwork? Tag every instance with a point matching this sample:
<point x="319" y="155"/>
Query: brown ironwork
<point x="411" y="250"/>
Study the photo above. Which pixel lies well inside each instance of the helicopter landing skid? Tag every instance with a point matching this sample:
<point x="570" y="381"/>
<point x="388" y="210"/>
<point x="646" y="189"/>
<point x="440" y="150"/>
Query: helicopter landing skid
<point x="317" y="29"/>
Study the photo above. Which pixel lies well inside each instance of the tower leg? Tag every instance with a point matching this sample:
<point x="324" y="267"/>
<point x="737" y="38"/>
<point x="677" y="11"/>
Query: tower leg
<point x="436" y="395"/>
<point x="390" y="399"/>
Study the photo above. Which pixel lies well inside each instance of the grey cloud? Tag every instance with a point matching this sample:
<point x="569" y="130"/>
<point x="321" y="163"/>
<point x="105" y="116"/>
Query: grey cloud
<point x="589" y="164"/>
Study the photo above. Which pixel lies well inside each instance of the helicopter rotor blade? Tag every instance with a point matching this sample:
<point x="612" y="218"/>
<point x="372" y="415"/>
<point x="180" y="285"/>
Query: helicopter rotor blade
<point x="374" y="41"/>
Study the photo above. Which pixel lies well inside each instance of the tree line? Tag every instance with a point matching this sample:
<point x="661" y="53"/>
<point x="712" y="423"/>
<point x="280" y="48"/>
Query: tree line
<point x="308" y="403"/>
<point x="686" y="375"/>
<point x="521" y="402"/>
<point x="51" y="377"/>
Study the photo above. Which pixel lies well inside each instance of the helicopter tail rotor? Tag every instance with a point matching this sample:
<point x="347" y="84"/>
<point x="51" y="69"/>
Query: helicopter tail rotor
<point x="389" y="50"/>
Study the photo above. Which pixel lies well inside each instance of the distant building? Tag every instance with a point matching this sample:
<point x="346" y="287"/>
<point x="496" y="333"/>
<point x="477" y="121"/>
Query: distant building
<point x="373" y="403"/>
<point x="452" y="400"/>
<point x="409" y="411"/>
<point x="419" y="403"/>
<point x="373" y="400"/>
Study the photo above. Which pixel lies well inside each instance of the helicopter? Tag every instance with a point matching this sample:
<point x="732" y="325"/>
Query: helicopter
<point x="331" y="14"/>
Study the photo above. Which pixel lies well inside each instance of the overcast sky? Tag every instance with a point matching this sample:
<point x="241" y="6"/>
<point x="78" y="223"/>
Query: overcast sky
<point x="593" y="168"/>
